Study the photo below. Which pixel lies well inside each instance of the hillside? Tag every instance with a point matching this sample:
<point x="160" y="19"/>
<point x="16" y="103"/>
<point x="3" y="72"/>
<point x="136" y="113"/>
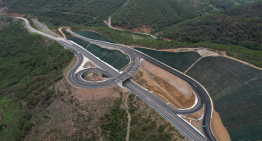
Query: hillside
<point x="30" y="64"/>
<point x="250" y="10"/>
<point x="66" y="12"/>
<point x="235" y="89"/>
<point x="159" y="13"/>
<point x="220" y="29"/>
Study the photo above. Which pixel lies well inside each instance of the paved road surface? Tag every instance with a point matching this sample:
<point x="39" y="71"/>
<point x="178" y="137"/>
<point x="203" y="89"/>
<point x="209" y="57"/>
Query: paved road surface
<point x="161" y="107"/>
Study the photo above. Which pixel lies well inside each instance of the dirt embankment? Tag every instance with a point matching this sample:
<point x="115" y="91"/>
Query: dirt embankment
<point x="218" y="128"/>
<point x="166" y="86"/>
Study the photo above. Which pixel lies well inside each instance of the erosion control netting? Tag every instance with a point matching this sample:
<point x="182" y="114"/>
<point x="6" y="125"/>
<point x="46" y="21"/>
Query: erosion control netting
<point x="92" y="35"/>
<point x="78" y="41"/>
<point x="115" y="58"/>
<point x="236" y="90"/>
<point x="180" y="61"/>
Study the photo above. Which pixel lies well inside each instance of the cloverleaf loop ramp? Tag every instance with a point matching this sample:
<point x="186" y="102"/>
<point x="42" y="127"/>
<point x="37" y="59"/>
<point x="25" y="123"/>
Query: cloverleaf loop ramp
<point x="115" y="77"/>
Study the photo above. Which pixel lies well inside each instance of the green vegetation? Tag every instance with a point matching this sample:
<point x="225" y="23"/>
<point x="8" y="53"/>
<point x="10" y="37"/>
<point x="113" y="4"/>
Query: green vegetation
<point x="92" y="35"/>
<point x="238" y="100"/>
<point x="66" y="12"/>
<point x="4" y="20"/>
<point x="219" y="29"/>
<point x="159" y="13"/>
<point x="113" y="57"/>
<point x="180" y="61"/>
<point x="155" y="13"/>
<point x="123" y="37"/>
<point x="67" y="34"/>
<point x="250" y="10"/>
<point x="30" y="64"/>
<point x="116" y="123"/>
<point x="148" y="125"/>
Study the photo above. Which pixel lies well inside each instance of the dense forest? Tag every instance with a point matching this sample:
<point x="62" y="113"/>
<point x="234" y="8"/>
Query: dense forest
<point x="249" y="10"/>
<point x="221" y="29"/>
<point x="159" y="13"/>
<point x="66" y="12"/>
<point x="29" y="65"/>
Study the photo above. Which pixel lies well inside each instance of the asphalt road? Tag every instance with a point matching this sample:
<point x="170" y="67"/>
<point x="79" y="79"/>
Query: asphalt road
<point x="161" y="107"/>
<point x="201" y="95"/>
<point x="47" y="30"/>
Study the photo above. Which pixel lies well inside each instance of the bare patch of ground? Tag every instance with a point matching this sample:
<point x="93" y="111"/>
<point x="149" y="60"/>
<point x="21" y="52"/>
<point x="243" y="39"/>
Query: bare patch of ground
<point x="60" y="30"/>
<point x="166" y="86"/>
<point x="90" y="64"/>
<point x="195" y="119"/>
<point x="218" y="128"/>
<point x="94" y="76"/>
<point x="143" y="29"/>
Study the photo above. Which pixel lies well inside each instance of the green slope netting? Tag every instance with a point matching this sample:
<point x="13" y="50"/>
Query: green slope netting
<point x="180" y="61"/>
<point x="92" y="35"/>
<point x="113" y="57"/>
<point x="236" y="90"/>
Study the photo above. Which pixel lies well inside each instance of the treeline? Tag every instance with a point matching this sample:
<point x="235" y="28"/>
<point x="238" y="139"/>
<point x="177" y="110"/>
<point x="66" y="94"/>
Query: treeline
<point x="66" y="12"/>
<point x="251" y="56"/>
<point x="30" y="64"/>
<point x="221" y="29"/>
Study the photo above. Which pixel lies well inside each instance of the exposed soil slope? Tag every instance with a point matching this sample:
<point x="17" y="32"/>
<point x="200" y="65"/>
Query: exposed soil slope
<point x="166" y="86"/>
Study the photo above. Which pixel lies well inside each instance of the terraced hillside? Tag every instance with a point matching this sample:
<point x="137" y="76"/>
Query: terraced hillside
<point x="236" y="92"/>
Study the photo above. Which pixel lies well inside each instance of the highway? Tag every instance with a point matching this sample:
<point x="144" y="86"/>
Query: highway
<point x="45" y="28"/>
<point x="201" y="93"/>
<point x="165" y="110"/>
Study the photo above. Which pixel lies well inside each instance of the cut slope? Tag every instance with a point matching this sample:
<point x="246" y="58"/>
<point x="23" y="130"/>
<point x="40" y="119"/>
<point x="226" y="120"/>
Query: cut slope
<point x="180" y="61"/>
<point x="113" y="57"/>
<point x="236" y="92"/>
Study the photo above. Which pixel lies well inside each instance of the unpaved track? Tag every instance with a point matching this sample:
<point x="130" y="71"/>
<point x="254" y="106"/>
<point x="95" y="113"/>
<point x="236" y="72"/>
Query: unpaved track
<point x="60" y="30"/>
<point x="109" y="24"/>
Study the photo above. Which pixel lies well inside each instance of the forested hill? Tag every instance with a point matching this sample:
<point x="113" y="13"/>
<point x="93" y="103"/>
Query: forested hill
<point x="220" y="29"/>
<point x="250" y="10"/>
<point x="160" y="13"/>
<point x="66" y="12"/>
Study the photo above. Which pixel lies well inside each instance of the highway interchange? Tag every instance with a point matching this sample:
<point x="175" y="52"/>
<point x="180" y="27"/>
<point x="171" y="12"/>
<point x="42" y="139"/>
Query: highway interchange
<point x="123" y="78"/>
